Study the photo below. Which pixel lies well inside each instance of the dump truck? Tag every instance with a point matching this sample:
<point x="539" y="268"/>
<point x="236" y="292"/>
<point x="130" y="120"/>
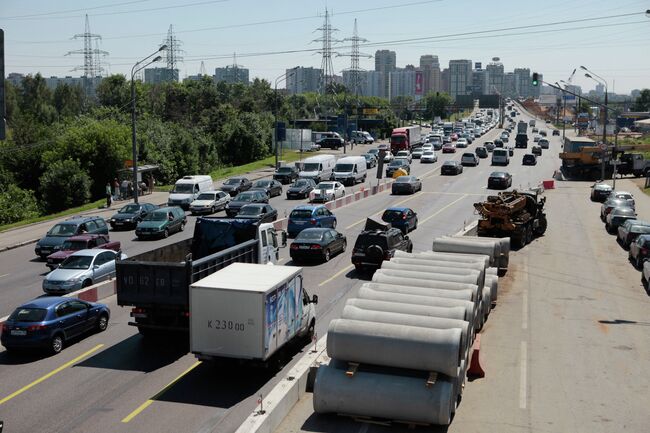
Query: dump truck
<point x="156" y="283"/>
<point x="582" y="159"/>
<point x="514" y="214"/>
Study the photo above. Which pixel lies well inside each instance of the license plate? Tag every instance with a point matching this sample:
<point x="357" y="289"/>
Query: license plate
<point x="304" y="247"/>
<point x="139" y="315"/>
<point x="300" y="223"/>
<point x="45" y="251"/>
<point x="18" y="332"/>
<point x="118" y="223"/>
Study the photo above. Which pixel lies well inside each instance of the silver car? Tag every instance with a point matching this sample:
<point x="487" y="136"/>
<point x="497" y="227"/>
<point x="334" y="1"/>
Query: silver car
<point x="81" y="269"/>
<point x="209" y="202"/>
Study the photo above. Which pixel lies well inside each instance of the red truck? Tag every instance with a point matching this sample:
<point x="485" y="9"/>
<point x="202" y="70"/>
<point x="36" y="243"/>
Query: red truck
<point x="80" y="242"/>
<point x="405" y="138"/>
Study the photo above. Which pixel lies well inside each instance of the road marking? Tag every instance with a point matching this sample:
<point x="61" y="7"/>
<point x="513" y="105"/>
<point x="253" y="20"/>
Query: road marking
<point x="3" y="275"/>
<point x="281" y="259"/>
<point x="338" y="274"/>
<point x="51" y="373"/>
<point x="380" y="212"/>
<point x="147" y="403"/>
<point x="442" y="209"/>
<point x="524" y="310"/>
<point x="522" y="379"/>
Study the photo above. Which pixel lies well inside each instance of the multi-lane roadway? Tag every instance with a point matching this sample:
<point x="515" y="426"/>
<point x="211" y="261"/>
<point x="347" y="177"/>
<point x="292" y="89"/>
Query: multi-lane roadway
<point x="113" y="381"/>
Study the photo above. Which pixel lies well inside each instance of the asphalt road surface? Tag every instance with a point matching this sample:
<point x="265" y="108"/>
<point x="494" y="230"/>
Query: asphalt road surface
<point x="113" y="381"/>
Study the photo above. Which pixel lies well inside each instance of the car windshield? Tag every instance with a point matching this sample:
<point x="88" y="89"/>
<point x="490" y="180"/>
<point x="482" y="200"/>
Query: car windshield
<point x="156" y="216"/>
<point x="391" y="215"/>
<point x="373" y="151"/>
<point x="206" y="196"/>
<point x="402" y="154"/>
<point x="301" y="183"/>
<point x="344" y="167"/>
<point x="449" y="163"/>
<point x="284" y="170"/>
<point x="368" y="156"/>
<point x="262" y="184"/>
<point x="250" y="210"/>
<point x="325" y="185"/>
<point x="311" y="166"/>
<point x="366" y="239"/>
<point x="28" y="315"/>
<point x="130" y="208"/>
<point x="468" y="155"/>
<point x="498" y="174"/>
<point x="183" y="188"/>
<point x="310" y="235"/>
<point x="62" y="230"/>
<point x="300" y="214"/>
<point x="428" y="153"/>
<point x="398" y="139"/>
<point x="403" y="179"/>
<point x="233" y="181"/>
<point x="244" y="196"/>
<point x="76" y="262"/>
<point x="73" y="245"/>
<point x="397" y="163"/>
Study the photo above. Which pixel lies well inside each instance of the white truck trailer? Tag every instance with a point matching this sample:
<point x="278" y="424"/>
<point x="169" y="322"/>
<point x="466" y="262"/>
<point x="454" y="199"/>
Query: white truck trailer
<point x="249" y="311"/>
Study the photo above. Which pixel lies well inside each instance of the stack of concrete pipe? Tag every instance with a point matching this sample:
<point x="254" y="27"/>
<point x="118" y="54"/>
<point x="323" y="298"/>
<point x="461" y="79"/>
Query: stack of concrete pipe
<point x="401" y="348"/>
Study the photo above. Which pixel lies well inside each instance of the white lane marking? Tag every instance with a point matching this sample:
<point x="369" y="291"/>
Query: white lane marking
<point x="524" y="310"/>
<point x="522" y="379"/>
<point x="443" y="208"/>
<point x="344" y="270"/>
<point x="3" y="275"/>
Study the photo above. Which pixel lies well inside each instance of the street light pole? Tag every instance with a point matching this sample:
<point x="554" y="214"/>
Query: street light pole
<point x="602" y="81"/>
<point x="134" y="149"/>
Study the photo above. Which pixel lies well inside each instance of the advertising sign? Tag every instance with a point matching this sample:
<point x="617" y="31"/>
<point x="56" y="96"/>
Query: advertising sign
<point x="419" y="83"/>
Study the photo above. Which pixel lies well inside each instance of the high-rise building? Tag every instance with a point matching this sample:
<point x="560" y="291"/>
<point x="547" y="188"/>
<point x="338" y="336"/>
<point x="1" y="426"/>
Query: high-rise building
<point x="15" y="79"/>
<point x="430" y="67"/>
<point x="385" y="63"/>
<point x="370" y="82"/>
<point x="479" y="82"/>
<point x="444" y="80"/>
<point x="509" y="88"/>
<point x="301" y="80"/>
<point x="232" y="74"/>
<point x="600" y="89"/>
<point x="460" y="77"/>
<point x="160" y="75"/>
<point x="495" y="76"/>
<point x="523" y="82"/>
<point x="402" y="82"/>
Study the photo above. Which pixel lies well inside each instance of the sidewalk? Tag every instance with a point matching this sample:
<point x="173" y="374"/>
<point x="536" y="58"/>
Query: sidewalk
<point x="28" y="234"/>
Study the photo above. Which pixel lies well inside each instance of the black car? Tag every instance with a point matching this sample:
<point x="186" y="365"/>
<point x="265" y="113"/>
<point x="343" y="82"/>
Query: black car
<point x="481" y="152"/>
<point x="499" y="180"/>
<point x="376" y="243"/>
<point x="261" y="212"/>
<point x="317" y="243"/>
<point x="286" y="174"/>
<point x="498" y="143"/>
<point x="300" y="188"/>
<point x="451" y="168"/>
<point x="130" y="215"/>
<point x="406" y="185"/>
<point x="529" y="159"/>
<point x="330" y="142"/>
<point x="536" y="150"/>
<point x="556" y="132"/>
<point x="235" y="185"/>
<point x="61" y="231"/>
<point x="371" y="160"/>
<point x="396" y="164"/>
<point x="272" y="187"/>
<point x="244" y="198"/>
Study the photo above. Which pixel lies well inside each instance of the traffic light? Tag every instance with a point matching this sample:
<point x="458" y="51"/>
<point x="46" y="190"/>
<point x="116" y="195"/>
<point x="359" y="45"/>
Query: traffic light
<point x="535" y="79"/>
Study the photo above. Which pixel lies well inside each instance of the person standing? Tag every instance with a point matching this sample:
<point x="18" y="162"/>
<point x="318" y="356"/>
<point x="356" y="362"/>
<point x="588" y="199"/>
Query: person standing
<point x="116" y="190"/>
<point x="108" y="195"/>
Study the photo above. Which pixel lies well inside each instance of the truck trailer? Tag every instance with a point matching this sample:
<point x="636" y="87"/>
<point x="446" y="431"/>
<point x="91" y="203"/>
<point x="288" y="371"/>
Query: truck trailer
<point x="405" y="138"/>
<point x="156" y="283"/>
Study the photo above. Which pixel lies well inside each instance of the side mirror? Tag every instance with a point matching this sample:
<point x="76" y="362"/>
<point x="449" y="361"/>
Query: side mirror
<point x="283" y="238"/>
<point x="406" y="238"/>
<point x="314" y="299"/>
<point x="95" y="266"/>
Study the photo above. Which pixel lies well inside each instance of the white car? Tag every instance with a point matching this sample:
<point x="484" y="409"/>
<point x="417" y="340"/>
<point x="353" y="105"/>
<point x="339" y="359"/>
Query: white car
<point x="327" y="191"/>
<point x="462" y="142"/>
<point x="536" y="138"/>
<point x="427" y="146"/>
<point x="645" y="276"/>
<point x="388" y="157"/>
<point x="417" y="153"/>
<point x="404" y="154"/>
<point x="428" y="156"/>
<point x="209" y="202"/>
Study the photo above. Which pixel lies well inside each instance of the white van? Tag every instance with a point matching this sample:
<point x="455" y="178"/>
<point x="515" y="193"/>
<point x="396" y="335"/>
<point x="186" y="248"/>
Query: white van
<point x="500" y="157"/>
<point x="318" y="168"/>
<point x="187" y="189"/>
<point x="361" y="137"/>
<point x="350" y="170"/>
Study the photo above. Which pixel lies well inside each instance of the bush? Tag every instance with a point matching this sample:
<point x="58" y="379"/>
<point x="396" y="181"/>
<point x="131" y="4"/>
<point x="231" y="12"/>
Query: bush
<point x="64" y="185"/>
<point x="17" y="204"/>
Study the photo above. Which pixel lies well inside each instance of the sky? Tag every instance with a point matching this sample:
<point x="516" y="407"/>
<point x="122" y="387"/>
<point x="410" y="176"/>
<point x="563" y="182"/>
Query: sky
<point x="270" y="36"/>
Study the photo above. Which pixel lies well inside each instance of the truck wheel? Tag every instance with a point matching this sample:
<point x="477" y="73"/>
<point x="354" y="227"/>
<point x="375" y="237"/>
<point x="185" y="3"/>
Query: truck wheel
<point x="542" y="225"/>
<point x="529" y="233"/>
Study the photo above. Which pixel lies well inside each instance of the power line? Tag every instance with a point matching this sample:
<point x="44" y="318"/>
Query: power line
<point x="72" y="10"/>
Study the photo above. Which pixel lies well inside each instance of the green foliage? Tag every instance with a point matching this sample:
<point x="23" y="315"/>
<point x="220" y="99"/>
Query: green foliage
<point x="68" y="100"/>
<point x="16" y="204"/>
<point x="64" y="185"/>
<point x="584" y="107"/>
<point x="435" y="104"/>
<point x="642" y="102"/>
<point x="114" y="91"/>
<point x="36" y="99"/>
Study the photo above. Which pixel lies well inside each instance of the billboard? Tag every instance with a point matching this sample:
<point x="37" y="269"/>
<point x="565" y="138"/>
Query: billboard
<point x="419" y="82"/>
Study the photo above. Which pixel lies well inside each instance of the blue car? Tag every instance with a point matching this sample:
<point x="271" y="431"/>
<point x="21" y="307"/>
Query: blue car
<point x="309" y="216"/>
<point x="403" y="218"/>
<point x="48" y="322"/>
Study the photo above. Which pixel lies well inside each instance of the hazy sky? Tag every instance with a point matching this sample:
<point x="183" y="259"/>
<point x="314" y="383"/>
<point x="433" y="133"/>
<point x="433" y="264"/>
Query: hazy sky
<point x="39" y="33"/>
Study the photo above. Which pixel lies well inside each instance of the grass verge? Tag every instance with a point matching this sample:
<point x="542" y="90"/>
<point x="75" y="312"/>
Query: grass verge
<point x="287" y="156"/>
<point x="94" y="205"/>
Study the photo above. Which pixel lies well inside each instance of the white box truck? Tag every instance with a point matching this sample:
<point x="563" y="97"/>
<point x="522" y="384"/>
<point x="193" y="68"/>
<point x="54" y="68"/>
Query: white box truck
<point x="248" y="311"/>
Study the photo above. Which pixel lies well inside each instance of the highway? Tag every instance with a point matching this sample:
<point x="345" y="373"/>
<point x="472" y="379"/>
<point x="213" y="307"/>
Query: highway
<point x="115" y="382"/>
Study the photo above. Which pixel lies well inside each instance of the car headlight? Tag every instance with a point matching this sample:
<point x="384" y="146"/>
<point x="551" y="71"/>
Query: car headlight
<point x="112" y="220"/>
<point x="128" y="220"/>
<point x="56" y="247"/>
<point x="228" y="206"/>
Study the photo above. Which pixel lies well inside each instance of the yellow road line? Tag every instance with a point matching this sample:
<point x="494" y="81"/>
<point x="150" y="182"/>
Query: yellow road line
<point x="50" y="374"/>
<point x="346" y="269"/>
<point x="146" y="404"/>
<point x="442" y="209"/>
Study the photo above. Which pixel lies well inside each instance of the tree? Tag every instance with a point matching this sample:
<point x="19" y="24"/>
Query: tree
<point x="642" y="102"/>
<point x="336" y="89"/>
<point x="114" y="91"/>
<point x="16" y="204"/>
<point x="584" y="107"/>
<point x="436" y="105"/>
<point x="68" y="100"/>
<point x="64" y="185"/>
<point x="11" y="102"/>
<point x="36" y="99"/>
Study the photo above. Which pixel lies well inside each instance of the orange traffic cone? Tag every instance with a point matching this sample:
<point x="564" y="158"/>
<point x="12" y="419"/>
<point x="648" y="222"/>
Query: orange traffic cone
<point x="475" y="369"/>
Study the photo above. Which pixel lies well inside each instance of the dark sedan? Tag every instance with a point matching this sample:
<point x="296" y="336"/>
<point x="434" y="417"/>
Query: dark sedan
<point x="48" y="322"/>
<point x="600" y="191"/>
<point x="286" y="174"/>
<point x="330" y="142"/>
<point x="481" y="152"/>
<point x="261" y="212"/>
<point x="403" y="218"/>
<point x="640" y="251"/>
<point x="617" y="217"/>
<point x="406" y="185"/>
<point x="235" y="185"/>
<point x="371" y="160"/>
<point x="396" y="164"/>
<point x="536" y="150"/>
<point x="529" y="159"/>
<point x="300" y="188"/>
<point x="317" y="243"/>
<point x="244" y="198"/>
<point x="273" y="188"/>
<point x="631" y="229"/>
<point x="130" y="215"/>
<point x="499" y="180"/>
<point x="451" y="168"/>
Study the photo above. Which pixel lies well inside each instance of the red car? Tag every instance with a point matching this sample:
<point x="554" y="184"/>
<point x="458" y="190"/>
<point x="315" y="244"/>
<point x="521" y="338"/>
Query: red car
<point x="449" y="148"/>
<point x="80" y="242"/>
<point x="454" y="137"/>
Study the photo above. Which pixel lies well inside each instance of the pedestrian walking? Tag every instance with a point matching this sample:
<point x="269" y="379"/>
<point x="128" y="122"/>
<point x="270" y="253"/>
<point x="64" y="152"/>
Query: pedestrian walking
<point x="116" y="190"/>
<point x="108" y="194"/>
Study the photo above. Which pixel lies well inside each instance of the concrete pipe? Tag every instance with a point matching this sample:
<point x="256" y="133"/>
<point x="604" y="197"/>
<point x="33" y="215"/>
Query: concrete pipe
<point x="504" y="247"/>
<point x="492" y="281"/>
<point x="457" y="312"/>
<point x="392" y="397"/>
<point x="459" y="245"/>
<point x="492" y="271"/>
<point x="458" y="257"/>
<point x="487" y="303"/>
<point x="465" y="295"/>
<point x="438" y="263"/>
<point x="427" y="283"/>
<point x="459" y="381"/>
<point x="433" y="269"/>
<point x="466" y="276"/>
<point x="355" y="313"/>
<point x="399" y="346"/>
